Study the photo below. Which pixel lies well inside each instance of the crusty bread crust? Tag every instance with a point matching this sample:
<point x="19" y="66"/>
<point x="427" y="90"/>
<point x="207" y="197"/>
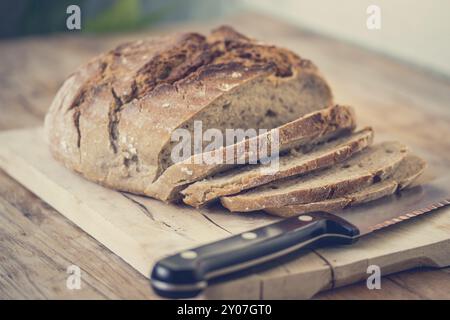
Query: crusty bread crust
<point x="408" y="171"/>
<point x="374" y="164"/>
<point x="113" y="118"/>
<point x="322" y="156"/>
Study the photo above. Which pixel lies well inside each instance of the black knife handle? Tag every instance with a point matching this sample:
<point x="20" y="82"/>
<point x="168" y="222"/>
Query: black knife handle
<point x="186" y="274"/>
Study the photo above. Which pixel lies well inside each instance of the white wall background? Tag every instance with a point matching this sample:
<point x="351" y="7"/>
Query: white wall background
<point x="417" y="31"/>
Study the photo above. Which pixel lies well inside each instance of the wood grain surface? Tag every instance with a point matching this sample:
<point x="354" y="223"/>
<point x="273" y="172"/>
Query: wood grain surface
<point x="37" y="244"/>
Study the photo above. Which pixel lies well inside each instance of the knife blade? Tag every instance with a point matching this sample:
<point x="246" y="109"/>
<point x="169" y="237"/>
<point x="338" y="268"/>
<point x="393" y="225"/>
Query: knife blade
<point x="187" y="273"/>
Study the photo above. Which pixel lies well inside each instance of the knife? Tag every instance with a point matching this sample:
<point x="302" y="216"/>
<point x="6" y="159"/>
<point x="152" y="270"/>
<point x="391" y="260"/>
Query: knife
<point x="188" y="273"/>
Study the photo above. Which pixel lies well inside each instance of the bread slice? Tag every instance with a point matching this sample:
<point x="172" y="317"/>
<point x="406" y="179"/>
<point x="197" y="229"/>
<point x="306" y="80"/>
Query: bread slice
<point x="310" y="129"/>
<point x="374" y="164"/>
<point x="297" y="162"/>
<point x="407" y="172"/>
<point x="113" y="119"/>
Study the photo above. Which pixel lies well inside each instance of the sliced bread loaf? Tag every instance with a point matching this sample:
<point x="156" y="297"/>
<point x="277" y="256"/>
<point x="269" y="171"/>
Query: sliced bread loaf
<point x="374" y="164"/>
<point x="113" y="119"/>
<point x="409" y="169"/>
<point x="294" y="163"/>
<point x="310" y="129"/>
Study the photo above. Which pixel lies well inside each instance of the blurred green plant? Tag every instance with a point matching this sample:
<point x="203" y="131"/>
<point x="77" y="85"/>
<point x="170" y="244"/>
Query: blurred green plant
<point x="126" y="15"/>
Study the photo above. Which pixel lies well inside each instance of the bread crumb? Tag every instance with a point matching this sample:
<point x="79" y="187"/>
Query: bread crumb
<point x="166" y="105"/>
<point x="236" y="74"/>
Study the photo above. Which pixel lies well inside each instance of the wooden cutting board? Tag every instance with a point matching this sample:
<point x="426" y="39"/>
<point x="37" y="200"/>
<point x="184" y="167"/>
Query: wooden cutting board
<point x="141" y="230"/>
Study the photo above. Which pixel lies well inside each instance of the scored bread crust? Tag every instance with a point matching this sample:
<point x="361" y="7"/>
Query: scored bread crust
<point x="112" y="119"/>
<point x="308" y="130"/>
<point x="375" y="163"/>
<point x="407" y="172"/>
<point x="321" y="156"/>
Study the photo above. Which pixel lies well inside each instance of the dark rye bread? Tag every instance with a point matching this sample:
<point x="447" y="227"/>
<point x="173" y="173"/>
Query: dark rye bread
<point x="376" y="163"/>
<point x="308" y="130"/>
<point x="407" y="172"/>
<point x="112" y="119"/>
<point x="294" y="163"/>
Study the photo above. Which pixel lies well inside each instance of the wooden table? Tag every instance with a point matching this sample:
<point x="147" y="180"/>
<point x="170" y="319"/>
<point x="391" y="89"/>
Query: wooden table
<point x="37" y="244"/>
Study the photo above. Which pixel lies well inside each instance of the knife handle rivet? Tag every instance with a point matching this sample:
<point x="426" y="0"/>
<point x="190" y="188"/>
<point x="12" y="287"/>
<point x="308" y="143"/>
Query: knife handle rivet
<point x="189" y="254"/>
<point x="249" y="235"/>
<point x="305" y="218"/>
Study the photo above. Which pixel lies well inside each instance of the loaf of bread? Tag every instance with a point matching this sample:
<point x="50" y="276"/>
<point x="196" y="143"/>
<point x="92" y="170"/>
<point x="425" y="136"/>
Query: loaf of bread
<point x="114" y="121"/>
